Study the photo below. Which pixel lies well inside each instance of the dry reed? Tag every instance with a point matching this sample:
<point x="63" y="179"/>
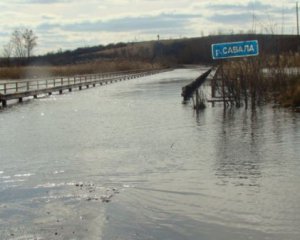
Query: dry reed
<point x="259" y="80"/>
<point x="71" y="70"/>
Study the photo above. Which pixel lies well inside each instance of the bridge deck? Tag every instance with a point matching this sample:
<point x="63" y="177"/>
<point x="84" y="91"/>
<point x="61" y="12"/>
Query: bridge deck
<point x="25" y="88"/>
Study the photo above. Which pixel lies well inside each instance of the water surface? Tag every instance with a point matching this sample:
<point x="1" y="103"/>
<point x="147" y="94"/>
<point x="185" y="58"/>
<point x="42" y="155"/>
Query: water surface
<point x="129" y="161"/>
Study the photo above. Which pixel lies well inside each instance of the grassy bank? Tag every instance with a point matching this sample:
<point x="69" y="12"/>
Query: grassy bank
<point x="71" y="70"/>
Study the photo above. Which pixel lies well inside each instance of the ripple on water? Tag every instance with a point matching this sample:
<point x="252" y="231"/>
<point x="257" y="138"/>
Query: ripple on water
<point x="5" y="177"/>
<point x="24" y="175"/>
<point x="58" y="172"/>
<point x="78" y="191"/>
<point x="216" y="172"/>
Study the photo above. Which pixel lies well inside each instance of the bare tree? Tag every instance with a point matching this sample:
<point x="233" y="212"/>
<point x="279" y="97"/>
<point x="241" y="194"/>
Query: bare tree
<point x="29" y="41"/>
<point x="18" y="43"/>
<point x="23" y="42"/>
<point x="7" y="52"/>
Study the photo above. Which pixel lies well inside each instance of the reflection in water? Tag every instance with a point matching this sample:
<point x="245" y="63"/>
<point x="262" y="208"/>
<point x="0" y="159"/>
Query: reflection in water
<point x="238" y="149"/>
<point x="254" y="156"/>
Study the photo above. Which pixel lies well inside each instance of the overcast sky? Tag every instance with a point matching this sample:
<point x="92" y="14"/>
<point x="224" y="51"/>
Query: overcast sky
<point x="68" y="24"/>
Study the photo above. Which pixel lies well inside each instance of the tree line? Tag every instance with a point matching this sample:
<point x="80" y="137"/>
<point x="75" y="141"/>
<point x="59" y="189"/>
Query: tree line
<point x="178" y="51"/>
<point x="21" y="45"/>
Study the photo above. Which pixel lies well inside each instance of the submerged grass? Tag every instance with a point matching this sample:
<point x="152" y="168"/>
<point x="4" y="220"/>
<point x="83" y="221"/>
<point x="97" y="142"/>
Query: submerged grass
<point x="255" y="81"/>
<point x="291" y="96"/>
<point x="7" y="73"/>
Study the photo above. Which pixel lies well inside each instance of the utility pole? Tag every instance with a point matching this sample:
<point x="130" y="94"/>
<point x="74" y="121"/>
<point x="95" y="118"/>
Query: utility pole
<point x="297" y="14"/>
<point x="282" y="20"/>
<point x="253" y="18"/>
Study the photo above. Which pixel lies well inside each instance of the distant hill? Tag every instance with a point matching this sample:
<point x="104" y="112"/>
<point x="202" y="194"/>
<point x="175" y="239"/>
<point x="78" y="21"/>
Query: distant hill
<point x="178" y="51"/>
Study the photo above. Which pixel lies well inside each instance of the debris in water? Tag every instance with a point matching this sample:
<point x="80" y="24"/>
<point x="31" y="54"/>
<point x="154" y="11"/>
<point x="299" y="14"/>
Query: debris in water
<point x="89" y="192"/>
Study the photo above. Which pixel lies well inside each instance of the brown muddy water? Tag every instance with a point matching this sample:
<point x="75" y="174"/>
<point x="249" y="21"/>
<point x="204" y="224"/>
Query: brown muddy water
<point x="128" y="161"/>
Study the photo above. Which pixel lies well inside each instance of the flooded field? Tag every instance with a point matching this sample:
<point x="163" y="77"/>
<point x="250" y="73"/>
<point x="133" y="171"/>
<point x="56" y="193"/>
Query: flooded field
<point x="128" y="161"/>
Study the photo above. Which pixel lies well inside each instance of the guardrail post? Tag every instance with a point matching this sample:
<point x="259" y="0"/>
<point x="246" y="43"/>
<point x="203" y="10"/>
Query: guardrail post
<point x="46" y="83"/>
<point x="4" y="86"/>
<point x="27" y="86"/>
<point x="16" y="87"/>
<point x="62" y="81"/>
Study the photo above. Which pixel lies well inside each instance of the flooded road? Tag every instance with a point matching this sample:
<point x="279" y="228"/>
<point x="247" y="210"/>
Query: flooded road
<point x="129" y="161"/>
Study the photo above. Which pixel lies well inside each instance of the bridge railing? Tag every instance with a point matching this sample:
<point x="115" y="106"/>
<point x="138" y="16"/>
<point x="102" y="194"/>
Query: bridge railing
<point x="26" y="85"/>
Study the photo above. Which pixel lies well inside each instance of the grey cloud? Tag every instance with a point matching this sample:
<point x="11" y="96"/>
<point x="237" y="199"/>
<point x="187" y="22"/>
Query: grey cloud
<point x="243" y="13"/>
<point x="257" y="6"/>
<point x="47" y="26"/>
<point x="143" y="23"/>
<point x="47" y="18"/>
<point x="224" y="7"/>
<point x="288" y="11"/>
<point x="238" y="18"/>
<point x="238" y="7"/>
<point x="43" y="1"/>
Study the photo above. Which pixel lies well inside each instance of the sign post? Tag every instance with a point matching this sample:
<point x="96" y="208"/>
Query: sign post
<point x="227" y="50"/>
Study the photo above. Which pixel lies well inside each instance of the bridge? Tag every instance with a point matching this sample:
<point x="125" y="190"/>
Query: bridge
<point x="18" y="90"/>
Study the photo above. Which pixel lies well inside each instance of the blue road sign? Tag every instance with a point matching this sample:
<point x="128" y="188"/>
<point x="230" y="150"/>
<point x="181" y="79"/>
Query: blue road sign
<point x="235" y="49"/>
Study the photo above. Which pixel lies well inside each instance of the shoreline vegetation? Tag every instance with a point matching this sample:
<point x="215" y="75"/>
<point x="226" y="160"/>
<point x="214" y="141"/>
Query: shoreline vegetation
<point x="251" y="82"/>
<point x="27" y="72"/>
